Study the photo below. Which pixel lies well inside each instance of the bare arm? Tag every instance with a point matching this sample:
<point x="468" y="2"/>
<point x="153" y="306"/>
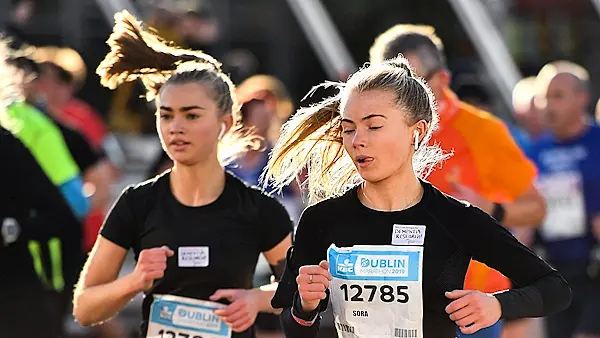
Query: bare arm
<point x="99" y="295"/>
<point x="526" y="211"/>
<point x="512" y="175"/>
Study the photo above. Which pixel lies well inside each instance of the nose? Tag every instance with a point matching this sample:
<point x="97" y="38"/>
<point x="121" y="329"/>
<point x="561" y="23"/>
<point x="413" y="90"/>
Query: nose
<point x="177" y="125"/>
<point x="358" y="140"/>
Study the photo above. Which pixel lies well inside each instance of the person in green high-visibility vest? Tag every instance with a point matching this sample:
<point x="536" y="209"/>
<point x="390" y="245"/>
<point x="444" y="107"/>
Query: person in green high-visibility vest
<point x="56" y="259"/>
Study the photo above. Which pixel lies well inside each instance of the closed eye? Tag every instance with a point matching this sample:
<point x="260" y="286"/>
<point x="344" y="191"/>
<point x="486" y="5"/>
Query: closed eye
<point x="375" y="128"/>
<point x="348" y="131"/>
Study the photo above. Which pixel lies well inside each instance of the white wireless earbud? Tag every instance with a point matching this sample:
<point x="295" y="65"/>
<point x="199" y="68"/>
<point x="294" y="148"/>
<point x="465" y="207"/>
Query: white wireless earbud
<point x="222" y="132"/>
<point x="416" y="139"/>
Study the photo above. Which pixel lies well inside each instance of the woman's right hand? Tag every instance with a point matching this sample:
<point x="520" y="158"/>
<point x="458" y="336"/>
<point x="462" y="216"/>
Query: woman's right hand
<point x="312" y="281"/>
<point x="151" y="265"/>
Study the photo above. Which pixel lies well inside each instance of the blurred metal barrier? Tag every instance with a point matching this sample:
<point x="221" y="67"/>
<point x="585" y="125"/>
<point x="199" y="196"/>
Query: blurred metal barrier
<point x="110" y="7"/>
<point x="324" y="38"/>
<point x="596" y="4"/>
<point x="489" y="43"/>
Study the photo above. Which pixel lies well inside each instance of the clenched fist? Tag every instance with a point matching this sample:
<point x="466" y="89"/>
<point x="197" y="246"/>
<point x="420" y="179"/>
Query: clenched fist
<point x="312" y="281"/>
<point x="473" y="310"/>
<point x="151" y="265"/>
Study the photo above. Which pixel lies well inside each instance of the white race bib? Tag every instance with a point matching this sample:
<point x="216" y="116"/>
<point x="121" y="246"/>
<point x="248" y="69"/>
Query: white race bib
<point x="565" y="206"/>
<point x="192" y="256"/>
<point x="376" y="291"/>
<point x="181" y="317"/>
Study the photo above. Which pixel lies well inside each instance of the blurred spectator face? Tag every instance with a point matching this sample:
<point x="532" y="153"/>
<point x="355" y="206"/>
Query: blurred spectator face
<point x="257" y="114"/>
<point x="525" y="111"/>
<point x="565" y="102"/>
<point x="58" y="91"/>
<point x="437" y="79"/>
<point x="198" y="30"/>
<point x="530" y="117"/>
<point x="266" y="105"/>
<point x="27" y="72"/>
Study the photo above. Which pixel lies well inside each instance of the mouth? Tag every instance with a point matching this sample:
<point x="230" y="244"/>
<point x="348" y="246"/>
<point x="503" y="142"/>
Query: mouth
<point x="363" y="161"/>
<point x="178" y="145"/>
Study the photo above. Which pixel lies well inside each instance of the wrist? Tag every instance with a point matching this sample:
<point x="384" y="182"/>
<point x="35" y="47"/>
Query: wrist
<point x="499" y="296"/>
<point x="302" y="311"/>
<point x="262" y="299"/>
<point x="132" y="284"/>
<point x="308" y="308"/>
<point x="304" y="322"/>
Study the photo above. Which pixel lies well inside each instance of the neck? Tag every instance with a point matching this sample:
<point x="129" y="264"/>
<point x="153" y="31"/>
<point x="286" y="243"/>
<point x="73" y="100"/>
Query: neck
<point x="199" y="184"/>
<point x="573" y="130"/>
<point x="396" y="193"/>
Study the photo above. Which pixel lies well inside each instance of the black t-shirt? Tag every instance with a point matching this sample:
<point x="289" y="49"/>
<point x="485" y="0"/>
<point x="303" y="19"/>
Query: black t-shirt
<point x="237" y="227"/>
<point x="455" y="233"/>
<point x="28" y="196"/>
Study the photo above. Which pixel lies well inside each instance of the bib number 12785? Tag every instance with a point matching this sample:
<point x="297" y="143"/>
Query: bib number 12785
<point x="386" y="293"/>
<point x="172" y="334"/>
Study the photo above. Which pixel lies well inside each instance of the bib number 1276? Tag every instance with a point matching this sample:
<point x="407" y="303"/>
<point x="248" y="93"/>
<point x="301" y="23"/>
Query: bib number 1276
<point x="171" y="334"/>
<point x="387" y="293"/>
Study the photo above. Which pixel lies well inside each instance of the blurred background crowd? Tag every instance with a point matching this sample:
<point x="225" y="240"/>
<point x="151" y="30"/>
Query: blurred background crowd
<point x="275" y="51"/>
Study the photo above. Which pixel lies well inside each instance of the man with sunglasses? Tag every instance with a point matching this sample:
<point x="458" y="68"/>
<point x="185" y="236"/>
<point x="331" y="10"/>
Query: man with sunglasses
<point x="487" y="167"/>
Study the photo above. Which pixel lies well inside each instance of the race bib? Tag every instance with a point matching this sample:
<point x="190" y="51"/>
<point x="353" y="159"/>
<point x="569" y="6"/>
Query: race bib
<point x="376" y="291"/>
<point x="565" y="206"/>
<point x="192" y="257"/>
<point x="180" y="317"/>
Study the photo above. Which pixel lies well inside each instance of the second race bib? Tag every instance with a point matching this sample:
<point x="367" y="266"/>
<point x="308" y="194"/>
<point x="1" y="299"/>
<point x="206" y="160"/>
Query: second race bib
<point x="566" y="217"/>
<point x="377" y="291"/>
<point x="181" y="317"/>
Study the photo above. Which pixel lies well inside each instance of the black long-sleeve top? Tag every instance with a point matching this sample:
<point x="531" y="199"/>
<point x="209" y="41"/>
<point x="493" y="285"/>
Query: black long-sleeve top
<point x="28" y="196"/>
<point x="455" y="233"/>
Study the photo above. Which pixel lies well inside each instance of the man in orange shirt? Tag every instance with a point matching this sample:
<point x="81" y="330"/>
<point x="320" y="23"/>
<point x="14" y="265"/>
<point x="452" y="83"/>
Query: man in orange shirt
<point x="487" y="167"/>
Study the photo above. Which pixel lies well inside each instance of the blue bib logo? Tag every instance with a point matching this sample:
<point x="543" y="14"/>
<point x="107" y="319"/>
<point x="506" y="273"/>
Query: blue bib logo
<point x="345" y="264"/>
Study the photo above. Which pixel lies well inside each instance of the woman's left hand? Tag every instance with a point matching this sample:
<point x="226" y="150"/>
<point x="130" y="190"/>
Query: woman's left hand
<point x="242" y="311"/>
<point x="474" y="308"/>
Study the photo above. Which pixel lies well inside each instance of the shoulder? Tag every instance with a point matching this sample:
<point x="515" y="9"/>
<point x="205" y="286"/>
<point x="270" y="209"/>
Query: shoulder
<point x="331" y="207"/>
<point x="477" y="119"/>
<point x="26" y="117"/>
<point x="438" y="198"/>
<point x="143" y="190"/>
<point x="36" y="117"/>
<point x="252" y="196"/>
<point x="447" y="209"/>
